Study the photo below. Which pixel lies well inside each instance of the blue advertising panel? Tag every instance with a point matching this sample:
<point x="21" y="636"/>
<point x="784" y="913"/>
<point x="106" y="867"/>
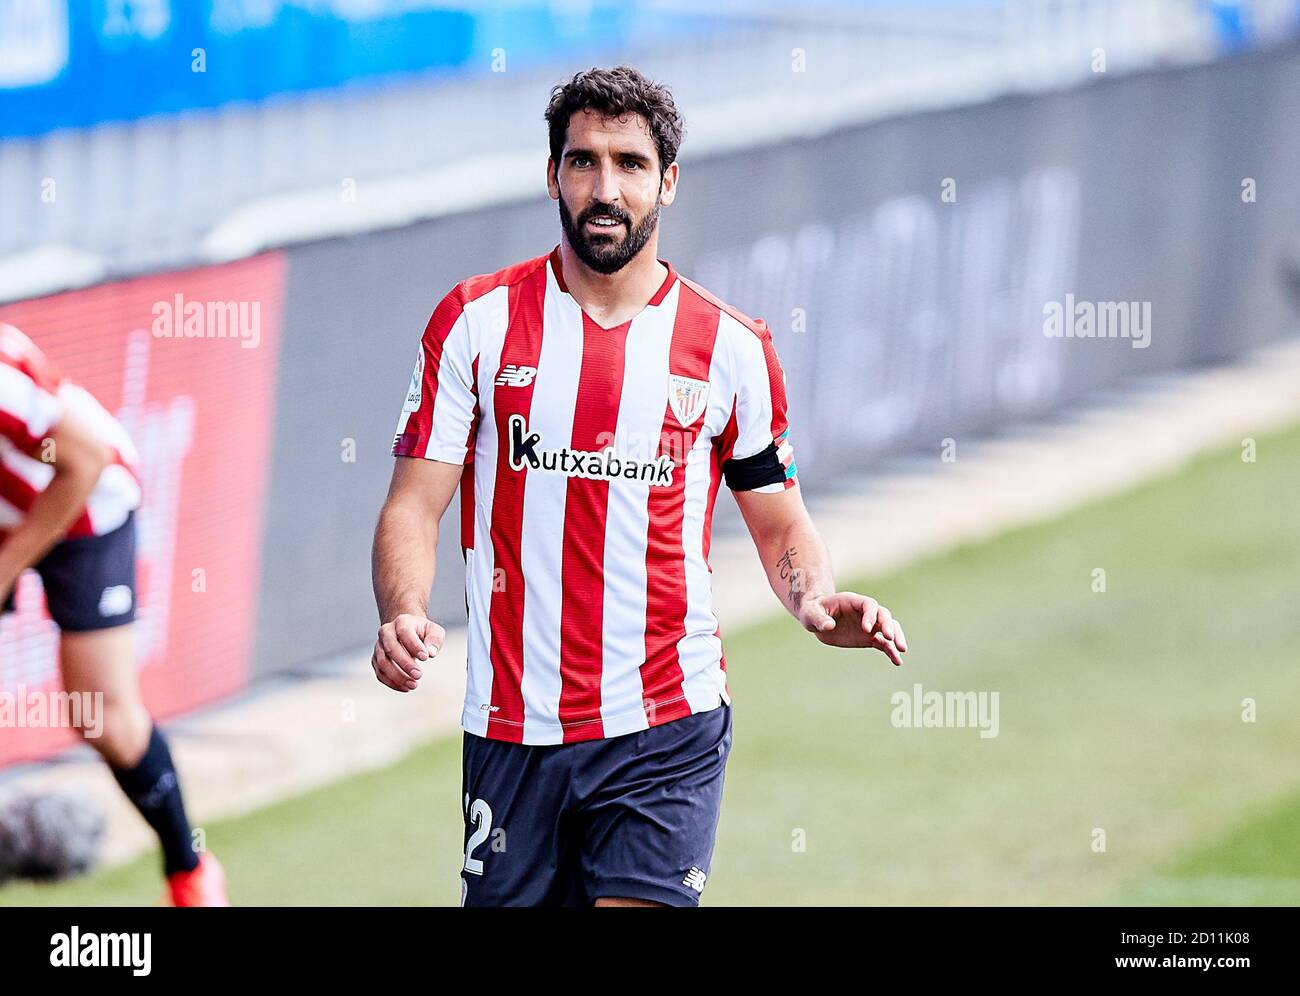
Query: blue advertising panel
<point x="73" y="63"/>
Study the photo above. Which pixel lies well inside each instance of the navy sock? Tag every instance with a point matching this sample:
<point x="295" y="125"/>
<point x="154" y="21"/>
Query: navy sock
<point x="153" y="788"/>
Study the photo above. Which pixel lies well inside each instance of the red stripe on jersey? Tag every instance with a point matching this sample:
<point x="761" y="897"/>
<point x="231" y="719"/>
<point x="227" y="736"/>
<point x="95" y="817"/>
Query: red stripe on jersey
<point x="695" y="331"/>
<point x="419" y="427"/>
<point x="776" y="385"/>
<point x="476" y="415"/>
<point x="16" y="491"/>
<point x="467" y="507"/>
<point x="586" y="504"/>
<point x="522" y="347"/>
<point x="15" y="430"/>
<point x="467" y="475"/>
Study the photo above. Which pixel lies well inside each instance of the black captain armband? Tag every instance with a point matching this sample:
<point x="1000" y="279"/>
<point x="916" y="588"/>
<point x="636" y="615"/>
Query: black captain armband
<point x="759" y="470"/>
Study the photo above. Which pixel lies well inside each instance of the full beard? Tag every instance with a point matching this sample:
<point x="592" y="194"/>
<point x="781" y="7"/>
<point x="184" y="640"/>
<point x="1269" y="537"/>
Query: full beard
<point x="606" y="253"/>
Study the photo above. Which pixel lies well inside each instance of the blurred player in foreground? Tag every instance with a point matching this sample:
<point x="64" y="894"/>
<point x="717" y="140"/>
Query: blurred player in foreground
<point x="589" y="402"/>
<point x="68" y="494"/>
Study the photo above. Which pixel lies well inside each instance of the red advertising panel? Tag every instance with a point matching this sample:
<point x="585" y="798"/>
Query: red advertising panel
<point x="186" y="361"/>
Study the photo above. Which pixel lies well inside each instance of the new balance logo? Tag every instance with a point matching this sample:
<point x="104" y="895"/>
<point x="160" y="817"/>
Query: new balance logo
<point x="513" y="375"/>
<point x="599" y="465"/>
<point x="695" y="880"/>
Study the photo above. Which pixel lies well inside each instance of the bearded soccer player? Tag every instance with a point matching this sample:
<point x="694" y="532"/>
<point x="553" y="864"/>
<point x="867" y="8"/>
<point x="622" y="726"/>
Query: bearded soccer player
<point x="589" y="402"/>
<point x="69" y="489"/>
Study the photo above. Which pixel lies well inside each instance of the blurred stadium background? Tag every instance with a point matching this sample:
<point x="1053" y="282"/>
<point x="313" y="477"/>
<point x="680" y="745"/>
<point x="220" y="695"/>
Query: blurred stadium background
<point x="899" y="188"/>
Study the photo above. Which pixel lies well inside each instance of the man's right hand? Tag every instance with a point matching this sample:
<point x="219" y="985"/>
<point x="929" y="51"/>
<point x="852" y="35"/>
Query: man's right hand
<point x="401" y="649"/>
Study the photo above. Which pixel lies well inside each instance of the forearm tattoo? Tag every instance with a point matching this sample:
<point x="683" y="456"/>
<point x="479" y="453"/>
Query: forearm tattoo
<point x="794" y="575"/>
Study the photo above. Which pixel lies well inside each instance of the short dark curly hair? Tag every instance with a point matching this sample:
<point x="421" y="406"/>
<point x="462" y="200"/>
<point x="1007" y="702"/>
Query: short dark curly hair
<point x="614" y="93"/>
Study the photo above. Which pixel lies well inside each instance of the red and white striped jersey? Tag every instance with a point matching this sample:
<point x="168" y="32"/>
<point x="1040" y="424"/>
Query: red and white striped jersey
<point x="593" y="459"/>
<point x="34" y="397"/>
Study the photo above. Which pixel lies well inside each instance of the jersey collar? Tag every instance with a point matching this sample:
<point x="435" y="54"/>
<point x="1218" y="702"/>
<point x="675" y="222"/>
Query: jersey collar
<point x="654" y="301"/>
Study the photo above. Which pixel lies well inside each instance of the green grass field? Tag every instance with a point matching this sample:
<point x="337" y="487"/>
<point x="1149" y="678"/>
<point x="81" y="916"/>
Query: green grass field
<point x="1119" y="711"/>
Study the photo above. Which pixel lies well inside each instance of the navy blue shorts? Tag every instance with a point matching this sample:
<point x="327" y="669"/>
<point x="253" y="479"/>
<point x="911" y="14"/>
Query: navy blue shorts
<point x="89" y="580"/>
<point x="564" y="825"/>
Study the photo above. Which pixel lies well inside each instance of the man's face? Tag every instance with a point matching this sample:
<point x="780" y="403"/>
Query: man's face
<point x="609" y="188"/>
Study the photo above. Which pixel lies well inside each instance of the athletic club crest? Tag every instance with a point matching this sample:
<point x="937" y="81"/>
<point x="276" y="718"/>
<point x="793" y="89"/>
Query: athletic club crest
<point x="687" y="397"/>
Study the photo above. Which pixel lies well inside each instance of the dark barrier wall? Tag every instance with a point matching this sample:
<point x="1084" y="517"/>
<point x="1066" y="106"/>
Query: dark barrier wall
<point x="911" y="271"/>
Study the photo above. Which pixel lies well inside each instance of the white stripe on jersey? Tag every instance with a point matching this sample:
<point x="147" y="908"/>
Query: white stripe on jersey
<point x="36" y="473"/>
<point x="114" y="496"/>
<point x="10" y="515"/>
<point x="754" y="400"/>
